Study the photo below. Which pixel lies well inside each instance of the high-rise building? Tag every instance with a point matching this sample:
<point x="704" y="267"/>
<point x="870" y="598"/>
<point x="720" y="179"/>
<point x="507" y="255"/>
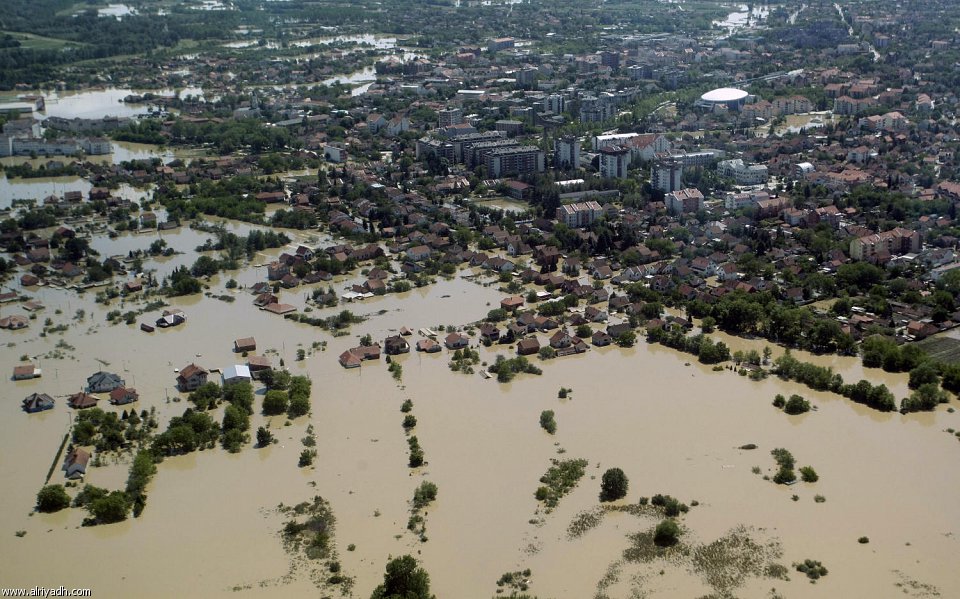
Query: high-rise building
<point x="614" y="162"/>
<point x="555" y="103"/>
<point x="566" y="152"/>
<point x="518" y="160"/>
<point x="666" y="174"/>
<point x="450" y="116"/>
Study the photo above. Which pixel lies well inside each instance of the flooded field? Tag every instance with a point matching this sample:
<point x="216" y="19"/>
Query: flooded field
<point x="674" y="427"/>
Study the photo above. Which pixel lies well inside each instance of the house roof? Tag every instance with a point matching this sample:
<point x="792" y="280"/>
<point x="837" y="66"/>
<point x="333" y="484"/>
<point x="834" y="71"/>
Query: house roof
<point x="245" y="342"/>
<point x="236" y="371"/>
<point x="191" y="370"/>
<point x="78" y="457"/>
<point x="23" y="370"/>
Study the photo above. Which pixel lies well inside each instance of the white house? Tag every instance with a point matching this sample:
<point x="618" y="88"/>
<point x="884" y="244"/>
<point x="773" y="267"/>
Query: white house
<point x="237" y="373"/>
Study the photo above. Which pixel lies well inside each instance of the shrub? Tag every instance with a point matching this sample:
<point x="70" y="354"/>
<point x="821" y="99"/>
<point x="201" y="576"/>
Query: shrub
<point x="264" y="437"/>
<point x="808" y="475"/>
<point x="425" y="493"/>
<point x="779" y="401"/>
<point x="409" y="421"/>
<point x="863" y="540"/>
<point x="547" y="421"/>
<point x="306" y="457"/>
<point x="813" y="569"/>
<point x="407" y="406"/>
<point x="784" y="476"/>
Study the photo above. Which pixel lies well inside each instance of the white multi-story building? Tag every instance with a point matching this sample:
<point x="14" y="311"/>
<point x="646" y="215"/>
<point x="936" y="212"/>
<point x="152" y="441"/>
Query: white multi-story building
<point x="578" y="215"/>
<point x="742" y="173"/>
<point x="566" y="152"/>
<point x="684" y="200"/>
<point x="666" y="174"/>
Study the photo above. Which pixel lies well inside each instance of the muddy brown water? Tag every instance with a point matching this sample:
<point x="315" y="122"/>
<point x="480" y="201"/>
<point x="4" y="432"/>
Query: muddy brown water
<point x="673" y="428"/>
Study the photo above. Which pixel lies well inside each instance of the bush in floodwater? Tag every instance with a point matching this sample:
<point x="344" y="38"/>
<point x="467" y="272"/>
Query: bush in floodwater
<point x="666" y="534"/>
<point x="808" y="474"/>
<point x="812" y="568"/>
<point x="547" y="421"/>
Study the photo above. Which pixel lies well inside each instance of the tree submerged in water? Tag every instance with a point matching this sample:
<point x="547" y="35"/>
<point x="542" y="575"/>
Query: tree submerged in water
<point x="404" y="579"/>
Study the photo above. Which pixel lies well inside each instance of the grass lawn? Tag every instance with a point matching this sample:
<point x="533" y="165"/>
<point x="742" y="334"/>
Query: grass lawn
<point x="29" y="41"/>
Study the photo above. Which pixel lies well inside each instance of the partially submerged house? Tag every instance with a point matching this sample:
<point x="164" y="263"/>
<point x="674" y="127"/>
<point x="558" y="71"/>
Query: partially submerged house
<point x="428" y="346"/>
<point x="456" y="341"/>
<point x="258" y="364"/>
<point x="75" y="465"/>
<point x="238" y="373"/>
<point x="122" y="396"/>
<point x="528" y="346"/>
<point x="191" y="377"/>
<point x="103" y="382"/>
<point x="37" y="402"/>
<point x="354" y="356"/>
<point x="82" y="401"/>
<point x="247" y="344"/>
<point x="25" y="372"/>
<point x="395" y="345"/>
<point x="171" y="318"/>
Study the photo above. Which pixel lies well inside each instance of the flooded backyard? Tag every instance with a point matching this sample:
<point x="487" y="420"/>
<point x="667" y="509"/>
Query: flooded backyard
<point x="672" y="426"/>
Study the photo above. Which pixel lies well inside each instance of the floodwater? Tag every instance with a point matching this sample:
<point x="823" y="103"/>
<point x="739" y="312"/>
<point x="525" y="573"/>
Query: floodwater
<point x="121" y="151"/>
<point x="672" y="427"/>
<point x="95" y="104"/>
<point x="743" y="18"/>
<point x="116" y="10"/>
<point x="41" y="187"/>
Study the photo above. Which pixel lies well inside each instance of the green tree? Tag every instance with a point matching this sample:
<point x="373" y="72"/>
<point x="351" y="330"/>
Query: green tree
<point x="796" y="405"/>
<point x="613" y="485"/>
<point x="299" y="406"/>
<point x="403" y="580"/>
<point x="109" y="509"/>
<point x="626" y="339"/>
<point x="923" y="374"/>
<point x="52" y="498"/>
<point x="275" y="402"/>
<point x="235" y="418"/>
